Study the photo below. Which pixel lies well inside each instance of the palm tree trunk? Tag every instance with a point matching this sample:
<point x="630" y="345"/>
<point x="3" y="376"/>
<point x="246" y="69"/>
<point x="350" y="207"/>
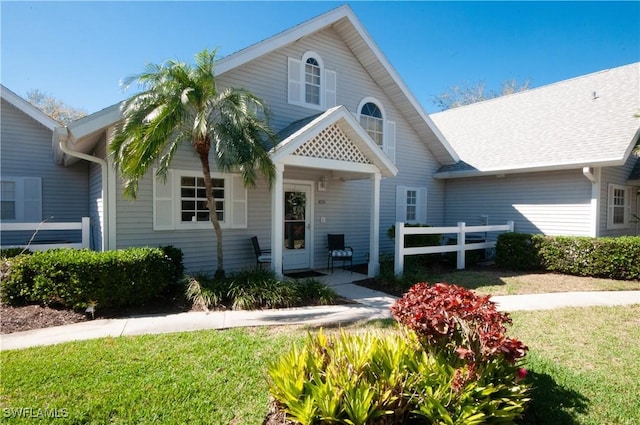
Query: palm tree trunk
<point x="203" y="147"/>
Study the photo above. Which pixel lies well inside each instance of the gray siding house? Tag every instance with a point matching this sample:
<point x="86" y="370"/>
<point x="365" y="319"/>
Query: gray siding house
<point x="358" y="152"/>
<point x="557" y="159"/>
<point x="33" y="187"/>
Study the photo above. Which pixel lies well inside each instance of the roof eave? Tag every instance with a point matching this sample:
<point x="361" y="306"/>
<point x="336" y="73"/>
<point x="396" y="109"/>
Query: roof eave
<point x="500" y="172"/>
<point x="27" y="108"/>
<point x="277" y="41"/>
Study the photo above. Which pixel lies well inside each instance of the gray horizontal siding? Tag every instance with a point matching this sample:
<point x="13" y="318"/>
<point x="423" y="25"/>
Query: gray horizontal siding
<point x="554" y="203"/>
<point x="26" y="152"/>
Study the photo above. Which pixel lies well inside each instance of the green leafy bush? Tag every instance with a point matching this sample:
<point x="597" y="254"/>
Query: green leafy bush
<point x="13" y="252"/>
<point x="388" y="379"/>
<point x="74" y="278"/>
<point x="615" y="258"/>
<point x="176" y="256"/>
<point x="518" y="251"/>
<point x="257" y="288"/>
<point x="455" y="322"/>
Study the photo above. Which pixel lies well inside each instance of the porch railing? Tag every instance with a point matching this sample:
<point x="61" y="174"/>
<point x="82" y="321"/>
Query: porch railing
<point x="37" y="227"/>
<point x="462" y="244"/>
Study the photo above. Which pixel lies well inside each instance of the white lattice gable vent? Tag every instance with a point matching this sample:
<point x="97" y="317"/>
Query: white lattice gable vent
<point x="332" y="143"/>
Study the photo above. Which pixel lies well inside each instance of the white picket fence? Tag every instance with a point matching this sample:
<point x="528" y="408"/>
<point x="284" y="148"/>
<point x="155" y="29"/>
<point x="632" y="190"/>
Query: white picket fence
<point x="462" y="245"/>
<point x="83" y="225"/>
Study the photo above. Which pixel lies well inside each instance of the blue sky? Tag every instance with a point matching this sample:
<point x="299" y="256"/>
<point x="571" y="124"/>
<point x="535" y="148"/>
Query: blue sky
<point x="79" y="51"/>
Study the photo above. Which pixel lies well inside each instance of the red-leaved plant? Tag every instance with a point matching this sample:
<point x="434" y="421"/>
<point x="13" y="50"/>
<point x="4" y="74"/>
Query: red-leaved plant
<point x="456" y="321"/>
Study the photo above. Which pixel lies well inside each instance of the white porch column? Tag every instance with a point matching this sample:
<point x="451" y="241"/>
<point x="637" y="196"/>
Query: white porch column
<point x="277" y="216"/>
<point x="374" y="231"/>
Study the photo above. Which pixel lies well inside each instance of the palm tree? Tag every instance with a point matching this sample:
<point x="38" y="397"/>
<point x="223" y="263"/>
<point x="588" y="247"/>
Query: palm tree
<point x="180" y="103"/>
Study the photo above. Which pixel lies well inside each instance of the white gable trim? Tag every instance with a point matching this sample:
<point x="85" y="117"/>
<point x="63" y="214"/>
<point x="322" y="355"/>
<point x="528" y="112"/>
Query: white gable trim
<point x="28" y="108"/>
<point x="342" y="117"/>
<point x="289" y="36"/>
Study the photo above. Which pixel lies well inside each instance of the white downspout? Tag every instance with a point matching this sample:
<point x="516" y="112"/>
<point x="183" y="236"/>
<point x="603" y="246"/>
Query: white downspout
<point x="62" y="133"/>
<point x="594" y="177"/>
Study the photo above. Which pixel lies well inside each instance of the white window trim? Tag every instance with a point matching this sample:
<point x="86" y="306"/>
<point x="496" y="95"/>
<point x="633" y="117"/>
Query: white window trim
<point x="610" y="207"/>
<point x="28" y="199"/>
<point x="421" y="204"/>
<point x="388" y="127"/>
<point x="297" y="87"/>
<point x="235" y="201"/>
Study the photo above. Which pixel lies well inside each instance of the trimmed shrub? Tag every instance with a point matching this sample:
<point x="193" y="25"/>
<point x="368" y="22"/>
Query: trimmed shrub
<point x="13" y="252"/>
<point x="615" y="258"/>
<point x="176" y="256"/>
<point x="75" y="278"/>
<point x="518" y="251"/>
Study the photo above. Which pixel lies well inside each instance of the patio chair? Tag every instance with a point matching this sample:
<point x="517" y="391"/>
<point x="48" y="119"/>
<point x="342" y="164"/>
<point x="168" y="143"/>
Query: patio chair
<point x="338" y="252"/>
<point x="263" y="256"/>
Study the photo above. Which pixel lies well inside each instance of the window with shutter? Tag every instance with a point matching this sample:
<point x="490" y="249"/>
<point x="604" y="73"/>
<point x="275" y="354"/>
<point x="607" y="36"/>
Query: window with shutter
<point x="309" y="84"/>
<point x="21" y="199"/>
<point x="180" y="202"/>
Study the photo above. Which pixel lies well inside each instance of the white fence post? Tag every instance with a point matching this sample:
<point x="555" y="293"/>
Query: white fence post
<point x="511" y="225"/>
<point x="86" y="232"/>
<point x="398" y="267"/>
<point x="461" y="241"/>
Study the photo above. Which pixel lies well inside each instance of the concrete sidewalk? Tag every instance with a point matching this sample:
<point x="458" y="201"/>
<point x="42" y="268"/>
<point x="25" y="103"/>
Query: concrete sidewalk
<point x="369" y="305"/>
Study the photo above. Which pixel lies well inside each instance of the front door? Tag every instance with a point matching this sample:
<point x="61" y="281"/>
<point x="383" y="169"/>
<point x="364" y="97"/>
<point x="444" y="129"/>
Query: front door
<point x="297" y="226"/>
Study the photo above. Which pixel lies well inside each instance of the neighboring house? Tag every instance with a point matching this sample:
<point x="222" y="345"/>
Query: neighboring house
<point x="33" y="187"/>
<point x="357" y="153"/>
<point x="557" y="159"/>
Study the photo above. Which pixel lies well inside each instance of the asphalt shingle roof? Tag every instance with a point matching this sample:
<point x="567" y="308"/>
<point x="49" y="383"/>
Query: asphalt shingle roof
<point x="585" y="121"/>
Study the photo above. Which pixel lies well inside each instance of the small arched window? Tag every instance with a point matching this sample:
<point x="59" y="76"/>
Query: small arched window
<point x="312" y="81"/>
<point x="309" y="83"/>
<point x="372" y="121"/>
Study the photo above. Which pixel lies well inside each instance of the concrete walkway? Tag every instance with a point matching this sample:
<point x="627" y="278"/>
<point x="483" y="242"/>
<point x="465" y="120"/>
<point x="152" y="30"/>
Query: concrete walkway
<point x="369" y="305"/>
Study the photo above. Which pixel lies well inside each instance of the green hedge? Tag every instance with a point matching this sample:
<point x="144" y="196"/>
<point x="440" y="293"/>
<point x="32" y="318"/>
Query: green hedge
<point x="615" y="258"/>
<point x="74" y="278"/>
<point x="518" y="251"/>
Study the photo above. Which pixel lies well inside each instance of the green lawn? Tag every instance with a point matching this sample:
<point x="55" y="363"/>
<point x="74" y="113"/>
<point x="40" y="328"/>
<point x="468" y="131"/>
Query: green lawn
<point x="502" y="282"/>
<point x="584" y="363"/>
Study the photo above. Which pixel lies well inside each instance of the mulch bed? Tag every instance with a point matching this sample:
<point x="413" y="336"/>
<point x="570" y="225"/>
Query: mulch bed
<point x="28" y="317"/>
<point x="377" y="285"/>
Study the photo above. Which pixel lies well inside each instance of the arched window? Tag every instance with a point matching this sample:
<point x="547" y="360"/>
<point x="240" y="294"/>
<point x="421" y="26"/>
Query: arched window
<point x="375" y="122"/>
<point x="309" y="83"/>
<point x="312" y="81"/>
<point x="372" y="121"/>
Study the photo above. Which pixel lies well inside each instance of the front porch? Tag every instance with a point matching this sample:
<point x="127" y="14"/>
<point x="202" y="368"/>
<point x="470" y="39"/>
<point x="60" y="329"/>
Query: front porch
<point x="328" y="173"/>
